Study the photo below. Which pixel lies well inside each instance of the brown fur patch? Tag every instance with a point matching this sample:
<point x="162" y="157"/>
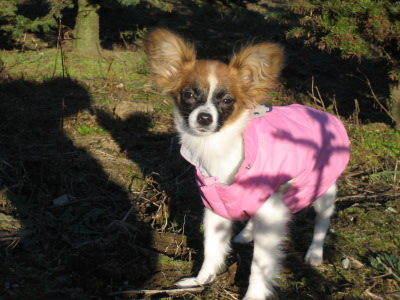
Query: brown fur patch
<point x="168" y="56"/>
<point x="258" y="68"/>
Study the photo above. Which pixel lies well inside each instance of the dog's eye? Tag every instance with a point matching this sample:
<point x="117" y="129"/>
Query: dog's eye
<point x="228" y="101"/>
<point x="188" y="95"/>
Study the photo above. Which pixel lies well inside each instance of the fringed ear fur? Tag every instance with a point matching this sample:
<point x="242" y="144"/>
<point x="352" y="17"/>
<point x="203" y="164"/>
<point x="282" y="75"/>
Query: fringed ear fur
<point x="258" y="68"/>
<point x="168" y="55"/>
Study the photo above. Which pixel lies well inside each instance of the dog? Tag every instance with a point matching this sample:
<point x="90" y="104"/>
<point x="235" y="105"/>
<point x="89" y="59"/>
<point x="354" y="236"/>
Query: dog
<point x="253" y="162"/>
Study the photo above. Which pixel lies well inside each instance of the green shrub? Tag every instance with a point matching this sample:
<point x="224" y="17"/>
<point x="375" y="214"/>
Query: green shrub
<point x="363" y="28"/>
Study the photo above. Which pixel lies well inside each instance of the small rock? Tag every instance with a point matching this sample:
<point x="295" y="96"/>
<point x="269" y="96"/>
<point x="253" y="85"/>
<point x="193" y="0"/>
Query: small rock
<point x="391" y="210"/>
<point x="346" y="263"/>
<point x="62" y="200"/>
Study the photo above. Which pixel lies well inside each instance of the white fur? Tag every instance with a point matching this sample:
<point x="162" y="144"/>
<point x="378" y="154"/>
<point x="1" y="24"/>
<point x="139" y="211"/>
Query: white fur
<point x="324" y="207"/>
<point x="217" y="234"/>
<point x="207" y="107"/>
<point x="213" y="82"/>
<point x="221" y="155"/>
<point x="269" y="227"/>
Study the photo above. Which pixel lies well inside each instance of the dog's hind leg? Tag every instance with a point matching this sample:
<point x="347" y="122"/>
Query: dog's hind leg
<point x="324" y="207"/>
<point x="246" y="235"/>
<point x="269" y="229"/>
<point x="217" y="235"/>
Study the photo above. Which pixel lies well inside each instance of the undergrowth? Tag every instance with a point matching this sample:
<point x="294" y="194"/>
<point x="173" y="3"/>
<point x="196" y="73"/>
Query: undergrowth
<point x="123" y="66"/>
<point x="376" y="148"/>
<point x="85" y="193"/>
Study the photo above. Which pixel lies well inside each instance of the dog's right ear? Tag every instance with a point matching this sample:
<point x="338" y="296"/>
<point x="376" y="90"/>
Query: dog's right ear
<point x="258" y="68"/>
<point x="168" y="54"/>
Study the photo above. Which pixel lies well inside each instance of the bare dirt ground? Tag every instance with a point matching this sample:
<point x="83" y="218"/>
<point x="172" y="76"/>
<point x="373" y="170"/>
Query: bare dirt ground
<point x="95" y="198"/>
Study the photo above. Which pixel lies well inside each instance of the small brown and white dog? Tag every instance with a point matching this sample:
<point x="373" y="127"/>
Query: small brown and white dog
<point x="215" y="104"/>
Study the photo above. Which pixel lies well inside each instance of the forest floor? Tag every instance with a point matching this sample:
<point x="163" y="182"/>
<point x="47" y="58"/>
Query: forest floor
<point x="95" y="198"/>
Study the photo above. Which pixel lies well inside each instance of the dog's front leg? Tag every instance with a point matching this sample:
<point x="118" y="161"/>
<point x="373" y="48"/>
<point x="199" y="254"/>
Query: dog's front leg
<point x="269" y="228"/>
<point x="217" y="234"/>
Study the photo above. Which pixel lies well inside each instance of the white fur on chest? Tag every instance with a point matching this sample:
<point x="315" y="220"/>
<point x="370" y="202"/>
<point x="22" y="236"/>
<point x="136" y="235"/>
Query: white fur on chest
<point x="220" y="154"/>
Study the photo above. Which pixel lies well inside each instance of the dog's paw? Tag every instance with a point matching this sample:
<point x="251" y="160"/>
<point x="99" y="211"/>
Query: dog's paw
<point x="243" y="237"/>
<point x="267" y="296"/>
<point x="195" y="281"/>
<point x="187" y="282"/>
<point x="314" y="256"/>
<point x="260" y="291"/>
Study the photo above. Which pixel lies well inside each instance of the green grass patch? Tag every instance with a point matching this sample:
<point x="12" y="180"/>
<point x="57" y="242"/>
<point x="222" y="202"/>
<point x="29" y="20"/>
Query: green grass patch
<point x="89" y="130"/>
<point x="9" y="223"/>
<point x="387" y="263"/>
<point x="363" y="221"/>
<point x="376" y="148"/>
<point x="47" y="64"/>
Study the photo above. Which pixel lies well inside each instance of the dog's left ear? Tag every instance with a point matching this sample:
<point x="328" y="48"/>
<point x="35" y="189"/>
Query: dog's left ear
<point x="258" y="68"/>
<point x="168" y="54"/>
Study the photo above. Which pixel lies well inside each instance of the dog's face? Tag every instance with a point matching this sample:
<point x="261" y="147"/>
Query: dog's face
<point x="208" y="94"/>
<point x="207" y="98"/>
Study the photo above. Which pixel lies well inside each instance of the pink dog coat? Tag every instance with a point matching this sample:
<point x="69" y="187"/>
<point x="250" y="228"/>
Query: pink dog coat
<point x="291" y="142"/>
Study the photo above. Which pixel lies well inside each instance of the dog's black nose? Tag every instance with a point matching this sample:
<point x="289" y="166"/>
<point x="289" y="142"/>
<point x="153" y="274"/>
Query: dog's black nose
<point x="204" y="119"/>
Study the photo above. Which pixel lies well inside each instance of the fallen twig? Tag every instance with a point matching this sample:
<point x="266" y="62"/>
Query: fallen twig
<point x="374" y="96"/>
<point x="372" y="296"/>
<point x="230" y="295"/>
<point x="312" y="95"/>
<point x="167" y="292"/>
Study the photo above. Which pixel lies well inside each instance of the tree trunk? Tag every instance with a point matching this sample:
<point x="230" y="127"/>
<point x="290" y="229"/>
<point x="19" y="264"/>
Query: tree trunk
<point x="395" y="102"/>
<point x="87" y="27"/>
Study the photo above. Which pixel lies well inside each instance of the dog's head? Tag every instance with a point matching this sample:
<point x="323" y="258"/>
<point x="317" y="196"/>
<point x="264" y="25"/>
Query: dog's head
<point x="209" y="94"/>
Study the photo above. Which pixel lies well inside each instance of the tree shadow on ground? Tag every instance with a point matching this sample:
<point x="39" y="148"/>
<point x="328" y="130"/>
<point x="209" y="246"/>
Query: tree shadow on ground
<point x="41" y="163"/>
<point x="158" y="156"/>
<point x="66" y="232"/>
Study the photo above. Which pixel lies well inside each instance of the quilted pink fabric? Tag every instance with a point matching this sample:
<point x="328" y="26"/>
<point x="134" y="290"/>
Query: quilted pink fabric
<point x="289" y="142"/>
